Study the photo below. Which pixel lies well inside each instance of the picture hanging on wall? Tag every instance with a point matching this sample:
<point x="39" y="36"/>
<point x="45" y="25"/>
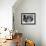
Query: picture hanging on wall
<point x="28" y="18"/>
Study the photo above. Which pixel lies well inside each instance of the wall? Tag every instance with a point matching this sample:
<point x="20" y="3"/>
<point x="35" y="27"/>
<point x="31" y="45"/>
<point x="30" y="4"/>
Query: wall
<point x="6" y="13"/>
<point x="32" y="32"/>
<point x="43" y="22"/>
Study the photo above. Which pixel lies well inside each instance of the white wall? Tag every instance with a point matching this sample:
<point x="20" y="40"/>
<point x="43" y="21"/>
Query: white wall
<point x="30" y="31"/>
<point x="43" y="22"/>
<point x="6" y="13"/>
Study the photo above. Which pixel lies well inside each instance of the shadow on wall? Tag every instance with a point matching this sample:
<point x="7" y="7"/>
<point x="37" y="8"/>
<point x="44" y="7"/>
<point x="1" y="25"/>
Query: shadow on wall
<point x="16" y="23"/>
<point x="17" y="4"/>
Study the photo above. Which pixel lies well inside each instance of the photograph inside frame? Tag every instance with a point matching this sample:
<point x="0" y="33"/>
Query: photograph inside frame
<point x="28" y="18"/>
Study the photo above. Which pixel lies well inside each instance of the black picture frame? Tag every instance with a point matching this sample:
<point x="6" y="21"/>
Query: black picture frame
<point x="28" y="18"/>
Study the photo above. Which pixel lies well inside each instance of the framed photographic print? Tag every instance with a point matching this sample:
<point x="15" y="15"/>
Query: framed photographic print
<point x="28" y="18"/>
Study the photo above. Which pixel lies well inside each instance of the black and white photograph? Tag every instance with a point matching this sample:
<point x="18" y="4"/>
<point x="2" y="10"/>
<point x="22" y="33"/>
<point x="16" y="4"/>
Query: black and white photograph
<point x="28" y="18"/>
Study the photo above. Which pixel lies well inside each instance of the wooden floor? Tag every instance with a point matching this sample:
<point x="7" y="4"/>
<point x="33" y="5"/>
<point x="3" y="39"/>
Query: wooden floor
<point x="9" y="43"/>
